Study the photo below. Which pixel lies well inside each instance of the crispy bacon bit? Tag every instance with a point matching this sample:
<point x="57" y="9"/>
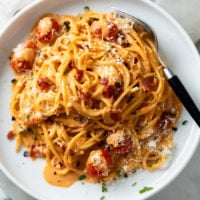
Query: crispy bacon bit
<point x="83" y="95"/>
<point x="149" y="84"/>
<point x="79" y="75"/>
<point x="23" y="56"/>
<point x="118" y="92"/>
<point x="98" y="163"/>
<point x="109" y="91"/>
<point x="11" y="135"/>
<point x="115" y="115"/>
<point x="135" y="60"/>
<point x="47" y="30"/>
<point x="44" y="83"/>
<point x="104" y="81"/>
<point x="71" y="64"/>
<point x="165" y="121"/>
<point x="113" y="91"/>
<point x="120" y="142"/>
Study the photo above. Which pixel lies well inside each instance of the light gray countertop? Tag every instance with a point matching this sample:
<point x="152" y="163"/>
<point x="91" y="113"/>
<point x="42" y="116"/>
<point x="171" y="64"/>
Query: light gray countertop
<point x="187" y="185"/>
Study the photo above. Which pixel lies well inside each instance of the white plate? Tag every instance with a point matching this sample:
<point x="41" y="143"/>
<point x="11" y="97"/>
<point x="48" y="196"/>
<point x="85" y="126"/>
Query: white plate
<point x="182" y="57"/>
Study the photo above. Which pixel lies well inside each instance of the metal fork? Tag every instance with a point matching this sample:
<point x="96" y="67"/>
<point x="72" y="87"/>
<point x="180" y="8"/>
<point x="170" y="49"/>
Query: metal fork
<point x="173" y="80"/>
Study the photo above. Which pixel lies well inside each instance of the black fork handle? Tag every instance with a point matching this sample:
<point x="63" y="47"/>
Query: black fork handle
<point x="183" y="95"/>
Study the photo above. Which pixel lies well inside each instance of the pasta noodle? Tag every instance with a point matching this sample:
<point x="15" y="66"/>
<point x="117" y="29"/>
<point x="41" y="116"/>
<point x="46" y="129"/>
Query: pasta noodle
<point x="90" y="97"/>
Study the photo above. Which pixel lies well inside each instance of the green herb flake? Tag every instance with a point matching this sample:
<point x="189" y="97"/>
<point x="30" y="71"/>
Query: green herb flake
<point x="16" y="12"/>
<point x="174" y="128"/>
<point x="94" y="19"/>
<point x="29" y="130"/>
<point x="86" y="8"/>
<point x="145" y="189"/>
<point x="13" y="80"/>
<point x="119" y="173"/>
<point x="134" y="171"/>
<point x="82" y="177"/>
<point x="67" y="26"/>
<point x="134" y="184"/>
<point x="104" y="188"/>
<point x="102" y="198"/>
<point x="184" y="122"/>
<point x="58" y="123"/>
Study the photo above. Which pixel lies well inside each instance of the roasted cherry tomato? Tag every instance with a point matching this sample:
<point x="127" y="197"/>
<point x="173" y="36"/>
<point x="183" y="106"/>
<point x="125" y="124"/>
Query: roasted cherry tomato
<point x="23" y="56"/>
<point x="47" y="30"/>
<point x="107" y="31"/>
<point x="120" y="142"/>
<point x="98" y="163"/>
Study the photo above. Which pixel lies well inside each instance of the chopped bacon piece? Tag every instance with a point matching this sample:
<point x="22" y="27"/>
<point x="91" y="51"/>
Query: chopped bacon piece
<point x="47" y="30"/>
<point x="165" y="121"/>
<point x="112" y="91"/>
<point x="79" y="75"/>
<point x="44" y="83"/>
<point x="84" y="95"/>
<point x="11" y="135"/>
<point x="71" y="64"/>
<point x="149" y="84"/>
<point x="115" y="115"/>
<point x="109" y="91"/>
<point x="98" y="163"/>
<point x="23" y="57"/>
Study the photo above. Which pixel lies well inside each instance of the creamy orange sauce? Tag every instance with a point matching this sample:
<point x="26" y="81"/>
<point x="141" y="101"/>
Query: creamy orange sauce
<point x="59" y="180"/>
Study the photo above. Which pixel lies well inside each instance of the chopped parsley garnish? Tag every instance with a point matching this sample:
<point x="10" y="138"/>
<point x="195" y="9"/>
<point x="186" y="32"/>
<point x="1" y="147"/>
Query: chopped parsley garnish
<point x="174" y="128"/>
<point x="82" y="177"/>
<point x="134" y="184"/>
<point x="145" y="189"/>
<point x="58" y="123"/>
<point x="119" y="173"/>
<point x="133" y="172"/>
<point x="13" y="80"/>
<point x="102" y="198"/>
<point x="29" y="129"/>
<point x="184" y="122"/>
<point x="86" y="8"/>
<point x="94" y="19"/>
<point x="67" y="26"/>
<point x="91" y="20"/>
<point x="104" y="188"/>
<point x="16" y="12"/>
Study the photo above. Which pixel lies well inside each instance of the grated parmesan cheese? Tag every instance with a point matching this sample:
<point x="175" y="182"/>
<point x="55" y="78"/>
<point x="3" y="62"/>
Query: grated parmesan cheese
<point x="152" y="144"/>
<point x="167" y="152"/>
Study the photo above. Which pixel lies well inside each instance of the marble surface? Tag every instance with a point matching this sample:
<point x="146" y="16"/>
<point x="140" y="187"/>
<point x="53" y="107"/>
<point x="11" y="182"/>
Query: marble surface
<point x="187" y="184"/>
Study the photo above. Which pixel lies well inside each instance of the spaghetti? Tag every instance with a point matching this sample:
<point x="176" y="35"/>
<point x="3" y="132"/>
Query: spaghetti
<point x="90" y="98"/>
